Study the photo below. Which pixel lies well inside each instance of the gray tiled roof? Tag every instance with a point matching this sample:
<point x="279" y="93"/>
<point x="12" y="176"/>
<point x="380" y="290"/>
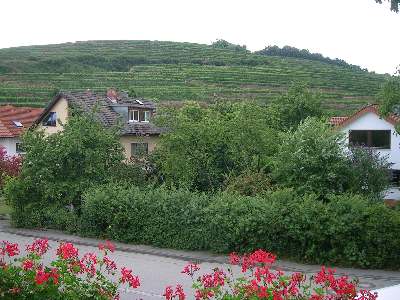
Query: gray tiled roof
<point x="99" y="102"/>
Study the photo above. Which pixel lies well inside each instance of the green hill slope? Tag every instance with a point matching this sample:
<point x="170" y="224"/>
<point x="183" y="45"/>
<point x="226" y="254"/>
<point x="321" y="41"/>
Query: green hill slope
<point x="170" y="71"/>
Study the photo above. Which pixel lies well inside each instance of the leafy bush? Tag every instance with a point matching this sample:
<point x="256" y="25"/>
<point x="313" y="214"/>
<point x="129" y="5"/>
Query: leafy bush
<point x="347" y="229"/>
<point x="369" y="172"/>
<point x="58" y="168"/>
<point x="311" y="159"/>
<point x="289" y="110"/>
<point x="249" y="183"/>
<point x="204" y="145"/>
<point x="155" y="216"/>
<point x="10" y="166"/>
<point x="37" y="215"/>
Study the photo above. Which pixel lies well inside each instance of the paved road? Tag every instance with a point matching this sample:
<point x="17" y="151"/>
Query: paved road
<point x="158" y="268"/>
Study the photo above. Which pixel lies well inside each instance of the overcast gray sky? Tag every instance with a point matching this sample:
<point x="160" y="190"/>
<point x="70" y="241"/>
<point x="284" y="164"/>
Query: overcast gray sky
<point x="358" y="31"/>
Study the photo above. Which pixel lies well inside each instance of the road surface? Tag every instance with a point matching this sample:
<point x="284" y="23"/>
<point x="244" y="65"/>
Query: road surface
<point x="158" y="268"/>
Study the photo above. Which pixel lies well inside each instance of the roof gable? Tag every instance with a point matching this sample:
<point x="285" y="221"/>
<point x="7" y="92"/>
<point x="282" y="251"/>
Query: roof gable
<point x="102" y="105"/>
<point x="343" y="121"/>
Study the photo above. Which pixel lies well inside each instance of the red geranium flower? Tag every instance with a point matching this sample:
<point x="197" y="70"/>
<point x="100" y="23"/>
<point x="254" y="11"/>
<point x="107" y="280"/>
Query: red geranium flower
<point x="126" y="276"/>
<point x="39" y="247"/>
<point x="67" y="251"/>
<point x="27" y="264"/>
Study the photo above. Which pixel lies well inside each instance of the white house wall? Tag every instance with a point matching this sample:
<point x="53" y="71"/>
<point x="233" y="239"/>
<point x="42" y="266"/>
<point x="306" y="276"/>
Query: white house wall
<point x="10" y="144"/>
<point x="371" y="121"/>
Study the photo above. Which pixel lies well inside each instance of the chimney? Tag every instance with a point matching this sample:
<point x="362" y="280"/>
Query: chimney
<point x="112" y="95"/>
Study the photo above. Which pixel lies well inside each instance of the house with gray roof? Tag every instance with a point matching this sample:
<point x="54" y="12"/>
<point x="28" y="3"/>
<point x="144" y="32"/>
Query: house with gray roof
<point x="113" y="108"/>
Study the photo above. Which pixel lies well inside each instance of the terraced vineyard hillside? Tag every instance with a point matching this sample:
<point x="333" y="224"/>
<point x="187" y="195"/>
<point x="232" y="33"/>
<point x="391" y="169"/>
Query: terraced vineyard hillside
<point x="169" y="71"/>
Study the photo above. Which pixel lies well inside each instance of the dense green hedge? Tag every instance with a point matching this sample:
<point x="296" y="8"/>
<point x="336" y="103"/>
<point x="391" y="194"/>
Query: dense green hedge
<point x="346" y="230"/>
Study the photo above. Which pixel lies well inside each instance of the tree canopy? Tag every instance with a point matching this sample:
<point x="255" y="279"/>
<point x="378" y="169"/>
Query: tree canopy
<point x="205" y="145"/>
<point x="287" y="111"/>
<point x="58" y="168"/>
<point x="390" y="96"/>
<point x="289" y="51"/>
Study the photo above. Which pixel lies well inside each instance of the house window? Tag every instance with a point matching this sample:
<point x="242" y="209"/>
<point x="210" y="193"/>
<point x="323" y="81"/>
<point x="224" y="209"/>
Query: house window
<point x="139" y="116"/>
<point x="146" y="116"/>
<point x="19" y="148"/>
<point x="139" y="149"/>
<point x="370" y="138"/>
<point x="50" y="119"/>
<point x="133" y="116"/>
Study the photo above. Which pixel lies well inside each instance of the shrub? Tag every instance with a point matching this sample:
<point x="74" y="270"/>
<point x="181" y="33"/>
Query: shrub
<point x="347" y="229"/>
<point x="249" y="183"/>
<point x="154" y="216"/>
<point x="10" y="166"/>
<point x="67" y="277"/>
<point x="58" y="168"/>
<point x="369" y="172"/>
<point x="311" y="159"/>
<point x="37" y="215"/>
<point x="204" y="145"/>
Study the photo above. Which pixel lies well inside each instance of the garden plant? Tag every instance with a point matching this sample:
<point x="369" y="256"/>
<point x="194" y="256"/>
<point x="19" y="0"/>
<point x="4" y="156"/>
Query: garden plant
<point x="69" y="276"/>
<point x="261" y="280"/>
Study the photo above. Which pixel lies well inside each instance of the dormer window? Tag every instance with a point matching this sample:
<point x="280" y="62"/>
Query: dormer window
<point x="136" y="115"/>
<point x="50" y="119"/>
<point x="146" y="116"/>
<point x="133" y="116"/>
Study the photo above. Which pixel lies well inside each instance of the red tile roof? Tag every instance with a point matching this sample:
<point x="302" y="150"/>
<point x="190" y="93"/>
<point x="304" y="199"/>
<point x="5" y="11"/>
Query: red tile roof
<point x="342" y="121"/>
<point x="337" y="120"/>
<point x="25" y="115"/>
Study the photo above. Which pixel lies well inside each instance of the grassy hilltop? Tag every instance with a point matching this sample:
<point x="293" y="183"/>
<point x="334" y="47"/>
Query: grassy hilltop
<point x="171" y="71"/>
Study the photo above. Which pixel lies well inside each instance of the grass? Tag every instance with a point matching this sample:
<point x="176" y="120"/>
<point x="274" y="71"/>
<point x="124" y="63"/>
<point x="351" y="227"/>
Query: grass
<point x="168" y="71"/>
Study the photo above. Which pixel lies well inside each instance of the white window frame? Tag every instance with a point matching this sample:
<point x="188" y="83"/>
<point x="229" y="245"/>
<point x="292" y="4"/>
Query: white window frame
<point x="146" y="116"/>
<point x="132" y="115"/>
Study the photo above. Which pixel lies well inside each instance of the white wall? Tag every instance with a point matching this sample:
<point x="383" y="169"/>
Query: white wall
<point x="371" y="121"/>
<point x="10" y="144"/>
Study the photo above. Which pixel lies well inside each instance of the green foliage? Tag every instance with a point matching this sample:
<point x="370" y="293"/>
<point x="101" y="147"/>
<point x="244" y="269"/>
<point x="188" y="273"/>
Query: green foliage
<point x="58" y="168"/>
<point x="311" y="159"/>
<point x="288" y="51"/>
<point x="159" y="217"/>
<point x="249" y="183"/>
<point x="222" y="44"/>
<point x="390" y="97"/>
<point x="204" y="145"/>
<point x="175" y="71"/>
<point x="369" y="172"/>
<point x="346" y="230"/>
<point x="287" y="111"/>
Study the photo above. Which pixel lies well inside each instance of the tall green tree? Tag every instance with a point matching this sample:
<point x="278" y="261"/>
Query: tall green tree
<point x="58" y="168"/>
<point x="311" y="159"/>
<point x="287" y="111"/>
<point x="205" y="145"/>
<point x="390" y="98"/>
